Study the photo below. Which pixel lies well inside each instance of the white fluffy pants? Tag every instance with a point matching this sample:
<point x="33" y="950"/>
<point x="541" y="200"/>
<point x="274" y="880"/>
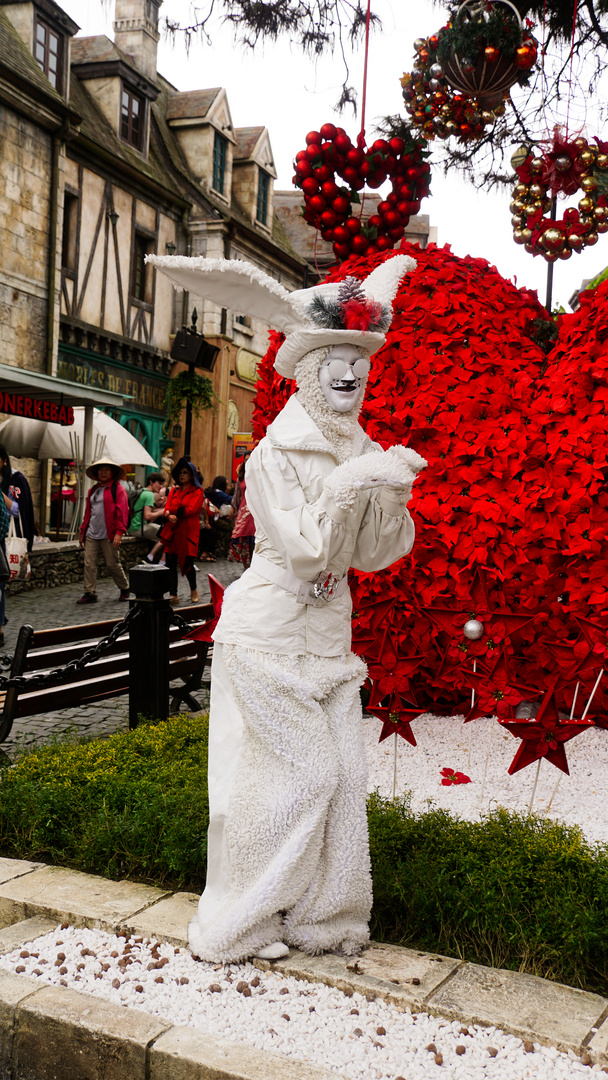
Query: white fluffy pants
<point x="288" y="855"/>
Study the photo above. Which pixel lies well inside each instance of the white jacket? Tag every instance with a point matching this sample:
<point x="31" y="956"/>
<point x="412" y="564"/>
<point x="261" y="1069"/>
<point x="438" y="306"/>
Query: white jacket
<point x="300" y="529"/>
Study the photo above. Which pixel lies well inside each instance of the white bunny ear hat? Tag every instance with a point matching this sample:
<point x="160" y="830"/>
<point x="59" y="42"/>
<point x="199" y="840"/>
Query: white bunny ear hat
<point x="348" y="312"/>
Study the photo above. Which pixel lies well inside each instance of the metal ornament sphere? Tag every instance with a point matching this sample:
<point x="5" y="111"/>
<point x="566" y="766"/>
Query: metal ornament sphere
<point x="473" y="629"/>
<point x="563" y="163"/>
<point x="436" y="71"/>
<point x="519" y="156"/>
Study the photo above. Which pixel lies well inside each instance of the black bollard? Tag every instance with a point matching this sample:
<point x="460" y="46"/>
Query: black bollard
<point x="149" y="644"/>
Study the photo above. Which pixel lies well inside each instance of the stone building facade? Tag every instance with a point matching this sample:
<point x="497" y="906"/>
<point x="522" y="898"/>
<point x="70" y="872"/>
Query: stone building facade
<point x="104" y="162"/>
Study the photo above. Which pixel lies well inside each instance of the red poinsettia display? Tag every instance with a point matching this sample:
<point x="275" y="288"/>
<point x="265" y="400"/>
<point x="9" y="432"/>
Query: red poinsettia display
<point x="516" y="486"/>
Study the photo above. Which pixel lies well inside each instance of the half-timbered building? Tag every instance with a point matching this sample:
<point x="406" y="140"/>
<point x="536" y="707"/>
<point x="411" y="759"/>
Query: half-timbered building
<point x="104" y="162"/>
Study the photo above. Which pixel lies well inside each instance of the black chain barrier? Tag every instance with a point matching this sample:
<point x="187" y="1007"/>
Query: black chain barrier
<point x="52" y="678"/>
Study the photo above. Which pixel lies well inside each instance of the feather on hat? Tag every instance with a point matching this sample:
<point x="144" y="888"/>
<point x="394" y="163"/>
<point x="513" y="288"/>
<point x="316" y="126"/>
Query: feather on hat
<point x="348" y="312"/>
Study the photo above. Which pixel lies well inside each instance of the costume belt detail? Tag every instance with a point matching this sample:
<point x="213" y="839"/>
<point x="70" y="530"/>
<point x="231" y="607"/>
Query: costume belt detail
<point x="325" y="588"/>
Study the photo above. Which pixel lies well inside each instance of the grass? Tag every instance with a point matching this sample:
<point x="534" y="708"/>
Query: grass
<point x="508" y="891"/>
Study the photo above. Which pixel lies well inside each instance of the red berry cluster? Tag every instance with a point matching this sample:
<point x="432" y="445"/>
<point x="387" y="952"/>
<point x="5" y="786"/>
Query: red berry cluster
<point x="328" y="206"/>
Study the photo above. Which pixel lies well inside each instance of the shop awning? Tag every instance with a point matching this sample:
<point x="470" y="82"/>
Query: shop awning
<point x="50" y="388"/>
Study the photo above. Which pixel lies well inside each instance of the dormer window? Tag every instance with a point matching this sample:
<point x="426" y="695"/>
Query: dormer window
<point x="131" y="117"/>
<point x="262" y="203"/>
<point x="48" y="50"/>
<point x="219" y="162"/>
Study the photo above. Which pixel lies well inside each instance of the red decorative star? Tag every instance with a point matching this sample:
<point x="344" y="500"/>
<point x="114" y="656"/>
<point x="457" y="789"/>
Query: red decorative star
<point x="396" y="718"/>
<point x="205" y="631"/>
<point x="498" y="625"/>
<point x="544" y="736"/>
<point x="496" y="691"/>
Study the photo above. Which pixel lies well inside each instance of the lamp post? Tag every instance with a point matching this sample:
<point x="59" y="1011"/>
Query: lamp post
<point x="191" y="348"/>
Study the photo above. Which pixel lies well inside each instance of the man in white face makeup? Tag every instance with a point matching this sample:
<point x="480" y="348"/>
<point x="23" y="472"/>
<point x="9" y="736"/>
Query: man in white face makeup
<point x="288" y="859"/>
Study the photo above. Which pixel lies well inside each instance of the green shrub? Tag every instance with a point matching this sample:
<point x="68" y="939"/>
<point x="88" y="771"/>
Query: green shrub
<point x="133" y="805"/>
<point x="510" y="891"/>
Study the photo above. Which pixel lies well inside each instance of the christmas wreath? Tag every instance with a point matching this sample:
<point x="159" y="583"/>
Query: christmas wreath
<point x="564" y="167"/>
<point x="328" y="206"/>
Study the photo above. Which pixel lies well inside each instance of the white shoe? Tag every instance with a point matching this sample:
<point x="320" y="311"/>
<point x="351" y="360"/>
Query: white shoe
<point x="275" y="951"/>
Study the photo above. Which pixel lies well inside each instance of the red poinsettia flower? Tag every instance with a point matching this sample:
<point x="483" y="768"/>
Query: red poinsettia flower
<point x="451" y="777"/>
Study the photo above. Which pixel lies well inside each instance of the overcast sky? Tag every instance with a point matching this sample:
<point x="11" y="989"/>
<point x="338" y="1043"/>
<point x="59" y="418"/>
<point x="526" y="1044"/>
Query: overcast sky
<point x="277" y="87"/>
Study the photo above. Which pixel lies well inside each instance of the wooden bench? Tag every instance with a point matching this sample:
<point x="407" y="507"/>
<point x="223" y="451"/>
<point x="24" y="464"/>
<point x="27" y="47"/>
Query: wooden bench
<point x="39" y="652"/>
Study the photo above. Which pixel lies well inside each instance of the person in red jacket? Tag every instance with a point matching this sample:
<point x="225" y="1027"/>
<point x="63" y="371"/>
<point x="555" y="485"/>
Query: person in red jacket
<point x="106" y="519"/>
<point x="181" y="532"/>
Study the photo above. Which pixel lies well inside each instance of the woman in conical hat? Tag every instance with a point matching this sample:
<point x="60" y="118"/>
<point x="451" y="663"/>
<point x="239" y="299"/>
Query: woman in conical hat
<point x="288" y="858"/>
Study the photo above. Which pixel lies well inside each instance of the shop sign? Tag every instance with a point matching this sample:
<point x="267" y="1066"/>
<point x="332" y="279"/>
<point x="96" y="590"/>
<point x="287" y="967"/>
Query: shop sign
<point x="246" y="365"/>
<point x="34" y="409"/>
<point x="142" y="392"/>
<point x="243" y="443"/>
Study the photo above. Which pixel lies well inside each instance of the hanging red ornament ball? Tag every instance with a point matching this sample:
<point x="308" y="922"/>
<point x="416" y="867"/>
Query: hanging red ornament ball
<point x="525" y="57"/>
<point x="491" y="54"/>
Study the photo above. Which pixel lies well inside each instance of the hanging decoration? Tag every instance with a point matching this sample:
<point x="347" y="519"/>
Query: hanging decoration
<point x="328" y="205"/>
<point x="462" y="74"/>
<point x="563" y="168"/>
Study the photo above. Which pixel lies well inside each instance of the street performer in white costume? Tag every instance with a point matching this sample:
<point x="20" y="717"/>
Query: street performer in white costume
<point x="288" y="856"/>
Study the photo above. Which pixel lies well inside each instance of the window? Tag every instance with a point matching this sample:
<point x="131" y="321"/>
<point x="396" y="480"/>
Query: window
<point x="263" y="190"/>
<point x="152" y="11"/>
<point x="70" y="233"/>
<point x="48" y="50"/>
<point x="132" y="118"/>
<point x="141" y="275"/>
<point x="219" y="162"/>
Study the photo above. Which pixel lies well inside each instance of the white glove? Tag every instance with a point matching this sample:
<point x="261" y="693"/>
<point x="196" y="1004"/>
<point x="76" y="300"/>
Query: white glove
<point x="395" y="468"/>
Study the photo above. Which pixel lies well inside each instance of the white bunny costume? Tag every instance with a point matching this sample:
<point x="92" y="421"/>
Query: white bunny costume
<point x="288" y="857"/>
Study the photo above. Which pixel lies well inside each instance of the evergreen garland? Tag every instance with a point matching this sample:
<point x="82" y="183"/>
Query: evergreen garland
<point x="468" y="34"/>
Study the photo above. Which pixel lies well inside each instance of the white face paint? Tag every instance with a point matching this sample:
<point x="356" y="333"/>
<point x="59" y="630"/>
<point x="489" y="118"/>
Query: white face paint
<point x="343" y="377"/>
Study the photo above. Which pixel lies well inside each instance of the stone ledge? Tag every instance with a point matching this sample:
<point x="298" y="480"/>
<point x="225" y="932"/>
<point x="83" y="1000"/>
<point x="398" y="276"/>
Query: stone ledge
<point x="524" y="1005"/>
<point x="62" y="563"/>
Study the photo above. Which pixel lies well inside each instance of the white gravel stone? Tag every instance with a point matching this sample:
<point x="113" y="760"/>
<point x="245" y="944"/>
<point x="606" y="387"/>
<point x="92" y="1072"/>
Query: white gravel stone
<point x="322" y="1028"/>
<point x="483" y="746"/>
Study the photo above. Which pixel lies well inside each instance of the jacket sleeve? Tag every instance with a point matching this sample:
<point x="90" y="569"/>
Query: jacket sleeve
<point x="308" y="536"/>
<point x="386" y="532"/>
<point x="122" y="509"/>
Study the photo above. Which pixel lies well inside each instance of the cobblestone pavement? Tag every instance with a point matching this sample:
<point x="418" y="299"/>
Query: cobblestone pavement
<point x="46" y="608"/>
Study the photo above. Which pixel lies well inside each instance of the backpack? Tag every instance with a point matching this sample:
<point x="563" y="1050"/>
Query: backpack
<point x="133" y="499"/>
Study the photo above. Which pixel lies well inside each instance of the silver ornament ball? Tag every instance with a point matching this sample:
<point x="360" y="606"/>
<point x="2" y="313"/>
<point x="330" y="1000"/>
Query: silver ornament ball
<point x="473" y="629"/>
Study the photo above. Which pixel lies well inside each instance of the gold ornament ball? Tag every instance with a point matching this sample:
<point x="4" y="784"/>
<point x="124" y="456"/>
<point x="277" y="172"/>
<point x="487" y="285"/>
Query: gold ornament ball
<point x="499" y="110"/>
<point x="589" y="183"/>
<point x="546" y="205"/>
<point x="516" y="221"/>
<point x="527" y="235"/>
<point x="601" y="226"/>
<point x="537" y="191"/>
<point x="451" y="127"/>
<point x="601" y="213"/>
<point x="576" y="242"/>
<point x="585" y="219"/>
<point x="520" y="189"/>
<point x="519" y="156"/>
<point x="553" y="239"/>
<point x="550" y="256"/>
<point x="585" y="205"/>
<point x="487" y="117"/>
<point x="591" y="238"/>
<point x="587" y="157"/>
<point x="565" y="254"/>
<point x="446" y="111"/>
<point x="518" y="236"/>
<point x="519" y="206"/>
<point x="581" y="143"/>
<point x="420" y="43"/>
<point x="529" y="248"/>
<point x="536" y="166"/>
<point x="602" y="161"/>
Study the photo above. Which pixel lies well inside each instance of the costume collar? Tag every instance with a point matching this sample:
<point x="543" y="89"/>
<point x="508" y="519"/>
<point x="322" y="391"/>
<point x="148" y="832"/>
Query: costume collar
<point x="294" y="429"/>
